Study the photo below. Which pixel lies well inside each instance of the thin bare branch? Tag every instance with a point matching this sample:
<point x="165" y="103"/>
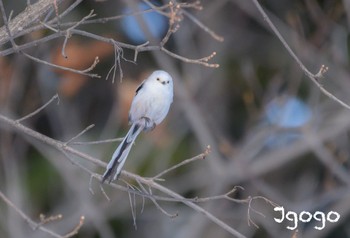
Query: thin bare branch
<point x="201" y="61"/>
<point x="250" y="220"/>
<point x="65" y="12"/>
<point x="92" y="176"/>
<point x="132" y="203"/>
<point x="187" y="161"/>
<point x="83" y="72"/>
<point x="25" y="217"/>
<point x="69" y="31"/>
<point x="80" y="134"/>
<point x="90" y="185"/>
<point x="39" y="109"/>
<point x="44" y="220"/>
<point x="96" y="142"/>
<point x="311" y="76"/>
<point x="155" y="201"/>
<point x="321" y="72"/>
<point x="250" y="208"/>
<point x="76" y="229"/>
<point x="226" y="196"/>
<point x="118" y="54"/>
<point x="139" y="47"/>
<point x="104" y="192"/>
<point x="202" y="26"/>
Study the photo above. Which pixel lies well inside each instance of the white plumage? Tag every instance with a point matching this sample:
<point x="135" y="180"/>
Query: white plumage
<point x="148" y="108"/>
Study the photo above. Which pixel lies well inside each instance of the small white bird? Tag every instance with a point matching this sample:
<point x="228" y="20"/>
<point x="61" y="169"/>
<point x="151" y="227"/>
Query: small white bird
<point x="149" y="107"/>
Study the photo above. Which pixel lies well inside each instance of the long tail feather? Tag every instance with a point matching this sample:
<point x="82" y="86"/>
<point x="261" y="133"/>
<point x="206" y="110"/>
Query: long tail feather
<point x="119" y="156"/>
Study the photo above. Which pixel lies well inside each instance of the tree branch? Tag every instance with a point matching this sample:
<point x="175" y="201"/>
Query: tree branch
<point x="313" y="77"/>
<point x="61" y="146"/>
<point x="30" y="15"/>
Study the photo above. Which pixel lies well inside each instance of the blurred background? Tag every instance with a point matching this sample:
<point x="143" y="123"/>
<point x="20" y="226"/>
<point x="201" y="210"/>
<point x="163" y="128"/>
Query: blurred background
<point x="270" y="129"/>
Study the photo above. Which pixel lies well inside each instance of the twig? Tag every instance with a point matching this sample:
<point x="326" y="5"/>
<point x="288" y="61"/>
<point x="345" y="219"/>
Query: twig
<point x="101" y="188"/>
<point x="69" y="31"/>
<point x="83" y="72"/>
<point x="104" y="192"/>
<point x="90" y="185"/>
<point x="118" y="53"/>
<point x="19" y="211"/>
<point x="69" y="157"/>
<point x="172" y="29"/>
<point x="90" y="15"/>
<point x="250" y="208"/>
<point x="173" y="24"/>
<point x="76" y="229"/>
<point x="31" y="223"/>
<point x="204" y="27"/>
<point x="155" y="201"/>
<point x="132" y="201"/>
<point x="187" y="161"/>
<point x="68" y="10"/>
<point x="49" y="27"/>
<point x="39" y="109"/>
<point x="57" y="14"/>
<point x="226" y="196"/>
<point x="162" y="209"/>
<point x="44" y="220"/>
<point x="48" y="15"/>
<point x="137" y="49"/>
<point x="321" y="72"/>
<point x="96" y="142"/>
<point x="201" y="61"/>
<point x="80" y="133"/>
<point x="313" y="77"/>
<point x="250" y="220"/>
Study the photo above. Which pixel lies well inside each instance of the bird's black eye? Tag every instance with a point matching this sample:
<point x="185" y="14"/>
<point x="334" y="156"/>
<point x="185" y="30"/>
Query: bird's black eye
<point x="158" y="79"/>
